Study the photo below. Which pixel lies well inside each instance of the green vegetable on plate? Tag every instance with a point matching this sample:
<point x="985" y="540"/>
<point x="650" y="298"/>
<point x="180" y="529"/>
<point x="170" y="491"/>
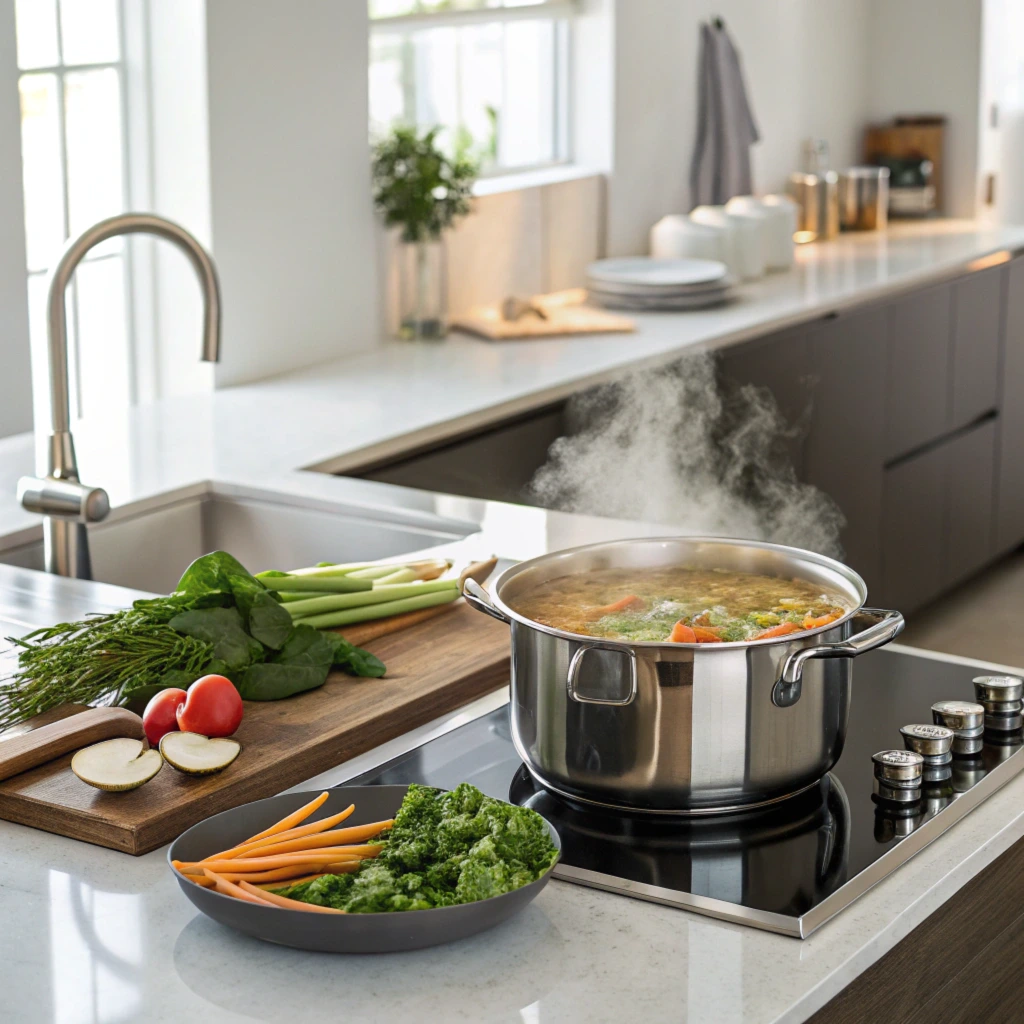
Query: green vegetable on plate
<point x="444" y="849"/>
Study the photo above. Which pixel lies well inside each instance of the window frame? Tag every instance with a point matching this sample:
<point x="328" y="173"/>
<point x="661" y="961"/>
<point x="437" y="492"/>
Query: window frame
<point x="60" y="71"/>
<point x="562" y="11"/>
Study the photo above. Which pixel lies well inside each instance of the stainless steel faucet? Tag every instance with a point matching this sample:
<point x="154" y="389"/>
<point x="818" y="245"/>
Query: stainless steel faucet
<point x="67" y="503"/>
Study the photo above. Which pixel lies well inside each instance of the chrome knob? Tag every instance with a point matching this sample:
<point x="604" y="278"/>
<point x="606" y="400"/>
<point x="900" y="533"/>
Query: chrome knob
<point x="932" y="742"/>
<point x="999" y="690"/>
<point x="900" y="768"/>
<point x="966" y="719"/>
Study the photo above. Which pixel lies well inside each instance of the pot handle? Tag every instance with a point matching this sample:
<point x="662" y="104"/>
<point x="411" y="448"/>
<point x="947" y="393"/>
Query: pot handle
<point x="574" y="670"/>
<point x="481" y="601"/>
<point x="786" y="691"/>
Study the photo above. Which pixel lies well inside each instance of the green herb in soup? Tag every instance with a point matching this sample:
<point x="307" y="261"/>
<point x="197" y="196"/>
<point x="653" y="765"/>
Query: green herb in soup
<point x="680" y="605"/>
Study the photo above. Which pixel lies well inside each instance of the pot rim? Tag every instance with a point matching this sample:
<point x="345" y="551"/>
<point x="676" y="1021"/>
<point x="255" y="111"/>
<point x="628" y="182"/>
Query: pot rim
<point x="799" y="554"/>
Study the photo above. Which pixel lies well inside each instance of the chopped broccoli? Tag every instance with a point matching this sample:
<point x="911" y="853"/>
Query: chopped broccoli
<point x="443" y="849"/>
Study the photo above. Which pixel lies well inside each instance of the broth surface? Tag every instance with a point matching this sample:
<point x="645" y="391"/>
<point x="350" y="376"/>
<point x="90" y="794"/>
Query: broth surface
<point x="680" y="604"/>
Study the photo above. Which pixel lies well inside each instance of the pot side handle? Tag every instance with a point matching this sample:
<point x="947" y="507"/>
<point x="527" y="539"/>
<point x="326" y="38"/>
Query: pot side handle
<point x="481" y="601"/>
<point x="889" y="626"/>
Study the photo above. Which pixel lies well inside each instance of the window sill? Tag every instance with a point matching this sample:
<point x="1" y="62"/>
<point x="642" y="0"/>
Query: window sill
<point x="515" y="181"/>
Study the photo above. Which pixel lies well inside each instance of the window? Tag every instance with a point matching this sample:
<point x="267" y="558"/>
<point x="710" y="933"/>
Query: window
<point x="72" y="85"/>
<point x="493" y="73"/>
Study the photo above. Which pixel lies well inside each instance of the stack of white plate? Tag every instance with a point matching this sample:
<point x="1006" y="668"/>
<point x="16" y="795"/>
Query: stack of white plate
<point x="639" y="282"/>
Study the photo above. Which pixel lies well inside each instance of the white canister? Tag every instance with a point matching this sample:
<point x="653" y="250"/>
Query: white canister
<point x="747" y="238"/>
<point x="788" y="221"/>
<point x="716" y="217"/>
<point x="777" y="239"/>
<point x="678" y="237"/>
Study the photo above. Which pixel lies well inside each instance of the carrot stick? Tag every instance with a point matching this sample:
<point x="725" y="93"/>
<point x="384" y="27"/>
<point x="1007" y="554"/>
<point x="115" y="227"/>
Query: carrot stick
<point x="293" y="833"/>
<point x="624" y="604"/>
<point x="293" y="819"/>
<point x="783" y="629"/>
<point x="682" y="634"/>
<point x="230" y="889"/>
<point x="293" y="881"/>
<point x="277" y="876"/>
<point x="337" y="838"/>
<point x="324" y="856"/>
<point x="283" y="901"/>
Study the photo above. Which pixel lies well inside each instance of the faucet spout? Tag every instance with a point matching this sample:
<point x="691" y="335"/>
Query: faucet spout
<point x="64" y="501"/>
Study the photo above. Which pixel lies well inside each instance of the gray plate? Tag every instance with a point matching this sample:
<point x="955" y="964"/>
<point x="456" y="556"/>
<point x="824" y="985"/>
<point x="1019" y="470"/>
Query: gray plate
<point x="334" y="933"/>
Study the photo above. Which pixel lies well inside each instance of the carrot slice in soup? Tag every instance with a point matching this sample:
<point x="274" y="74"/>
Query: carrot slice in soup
<point x="812" y="622"/>
<point x="625" y="604"/>
<point x="682" y="634"/>
<point x="783" y="629"/>
<point x="706" y="636"/>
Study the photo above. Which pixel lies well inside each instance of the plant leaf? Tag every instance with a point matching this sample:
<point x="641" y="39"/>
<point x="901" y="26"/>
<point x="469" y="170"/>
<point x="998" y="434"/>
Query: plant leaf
<point x="223" y="628"/>
<point x="212" y="574"/>
<point x="301" y="664"/>
<point x="269" y="621"/>
<point x="353" y="659"/>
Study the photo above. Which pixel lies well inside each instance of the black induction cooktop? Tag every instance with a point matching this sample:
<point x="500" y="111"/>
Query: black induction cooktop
<point x="788" y="868"/>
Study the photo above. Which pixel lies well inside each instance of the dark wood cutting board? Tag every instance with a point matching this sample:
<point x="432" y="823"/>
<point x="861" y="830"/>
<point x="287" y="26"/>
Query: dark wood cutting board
<point x="434" y="667"/>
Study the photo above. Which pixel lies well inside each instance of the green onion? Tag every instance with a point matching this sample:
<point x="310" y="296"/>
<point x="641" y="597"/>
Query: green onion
<point x="331" y="584"/>
<point x="375" y="572"/>
<point x="299" y="595"/>
<point x="405" y="575"/>
<point x="379" y="595"/>
<point x="348" y="616"/>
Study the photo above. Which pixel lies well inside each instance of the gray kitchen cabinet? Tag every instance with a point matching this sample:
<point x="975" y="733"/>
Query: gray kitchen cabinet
<point x="845" y="441"/>
<point x="977" y="310"/>
<point x="1010" y="465"/>
<point x="780" y="363"/>
<point x="913" y="528"/>
<point x="968" y="542"/>
<point x="917" y="370"/>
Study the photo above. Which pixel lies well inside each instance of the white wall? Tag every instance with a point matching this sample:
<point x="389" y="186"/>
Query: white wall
<point x="804" y="62"/>
<point x="926" y="59"/>
<point x="15" y="372"/>
<point x="292" y="223"/>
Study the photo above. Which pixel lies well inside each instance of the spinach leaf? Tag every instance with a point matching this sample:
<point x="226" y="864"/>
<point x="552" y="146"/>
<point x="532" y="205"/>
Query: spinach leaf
<point x="301" y="664"/>
<point x="210" y="574"/>
<point x="222" y="627"/>
<point x="354" y="659"/>
<point x="269" y="621"/>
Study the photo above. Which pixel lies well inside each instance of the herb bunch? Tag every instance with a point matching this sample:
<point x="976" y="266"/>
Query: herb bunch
<point x="221" y="619"/>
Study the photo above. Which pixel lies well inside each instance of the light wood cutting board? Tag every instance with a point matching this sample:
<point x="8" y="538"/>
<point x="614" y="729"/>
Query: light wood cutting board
<point x="434" y="666"/>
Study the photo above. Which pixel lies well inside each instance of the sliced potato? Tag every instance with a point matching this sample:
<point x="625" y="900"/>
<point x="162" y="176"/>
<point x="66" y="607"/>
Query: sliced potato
<point x="195" y="754"/>
<point x="116" y="765"/>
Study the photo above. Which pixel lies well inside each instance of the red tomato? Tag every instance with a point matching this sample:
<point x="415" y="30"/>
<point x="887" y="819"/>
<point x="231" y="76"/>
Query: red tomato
<point x="212" y="707"/>
<point x="160" y="714"/>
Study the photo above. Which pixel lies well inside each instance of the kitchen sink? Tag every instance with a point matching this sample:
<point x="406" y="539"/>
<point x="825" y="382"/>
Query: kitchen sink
<point x="149" y="549"/>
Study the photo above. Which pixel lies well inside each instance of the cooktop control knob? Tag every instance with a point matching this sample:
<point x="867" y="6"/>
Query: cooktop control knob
<point x="934" y="743"/>
<point x="966" y="719"/>
<point x="1000" y="696"/>
<point x="898" y="775"/>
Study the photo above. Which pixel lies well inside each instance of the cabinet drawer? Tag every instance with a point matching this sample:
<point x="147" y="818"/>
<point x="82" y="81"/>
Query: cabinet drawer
<point x="969" y="538"/>
<point x="913" y="528"/>
<point x="977" y="304"/>
<point x="919" y="337"/>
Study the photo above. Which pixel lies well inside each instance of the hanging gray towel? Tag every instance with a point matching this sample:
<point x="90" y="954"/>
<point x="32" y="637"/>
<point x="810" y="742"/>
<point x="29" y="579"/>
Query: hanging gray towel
<point x="725" y="123"/>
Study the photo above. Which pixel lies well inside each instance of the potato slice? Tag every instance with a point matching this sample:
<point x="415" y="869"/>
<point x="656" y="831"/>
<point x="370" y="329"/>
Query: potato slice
<point x="195" y="754"/>
<point x="116" y="765"/>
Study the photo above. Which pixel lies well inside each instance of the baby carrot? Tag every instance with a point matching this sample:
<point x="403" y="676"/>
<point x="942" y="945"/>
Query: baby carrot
<point x="280" y="860"/>
<point x="230" y="889"/>
<point x="284" y="902"/>
<point x="293" y="819"/>
<point x="294" y="833"/>
<point x="337" y="838"/>
<point x="622" y="605"/>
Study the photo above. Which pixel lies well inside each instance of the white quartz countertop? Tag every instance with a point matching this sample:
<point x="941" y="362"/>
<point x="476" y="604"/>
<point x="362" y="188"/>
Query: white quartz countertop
<point x="90" y="935"/>
<point x="385" y="401"/>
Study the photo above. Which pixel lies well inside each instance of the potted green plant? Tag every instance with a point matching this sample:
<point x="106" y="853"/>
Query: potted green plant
<point x="422" y="191"/>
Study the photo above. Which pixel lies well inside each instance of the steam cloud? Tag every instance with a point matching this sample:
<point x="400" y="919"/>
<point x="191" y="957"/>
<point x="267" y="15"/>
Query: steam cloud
<point x="670" y="446"/>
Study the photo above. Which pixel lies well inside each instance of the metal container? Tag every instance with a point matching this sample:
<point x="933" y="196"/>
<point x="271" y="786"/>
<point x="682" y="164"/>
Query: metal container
<point x="682" y="728"/>
<point x="817" y="200"/>
<point x="864" y="198"/>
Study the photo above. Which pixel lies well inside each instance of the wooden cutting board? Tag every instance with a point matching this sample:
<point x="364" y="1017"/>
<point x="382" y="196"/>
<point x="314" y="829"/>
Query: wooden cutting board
<point x="434" y="667"/>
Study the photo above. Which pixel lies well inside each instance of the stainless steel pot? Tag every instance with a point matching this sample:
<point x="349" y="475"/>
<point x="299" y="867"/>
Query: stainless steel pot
<point x="682" y="728"/>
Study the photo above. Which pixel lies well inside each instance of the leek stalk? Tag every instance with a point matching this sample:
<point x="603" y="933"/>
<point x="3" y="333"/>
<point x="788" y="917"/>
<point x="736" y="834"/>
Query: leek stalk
<point x="379" y="595"/>
<point x="349" y="616"/>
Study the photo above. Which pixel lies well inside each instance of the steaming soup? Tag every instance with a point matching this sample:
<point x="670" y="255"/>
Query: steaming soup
<point x="680" y="605"/>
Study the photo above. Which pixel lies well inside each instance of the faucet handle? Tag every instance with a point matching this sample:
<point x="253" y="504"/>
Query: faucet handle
<point x="67" y="498"/>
